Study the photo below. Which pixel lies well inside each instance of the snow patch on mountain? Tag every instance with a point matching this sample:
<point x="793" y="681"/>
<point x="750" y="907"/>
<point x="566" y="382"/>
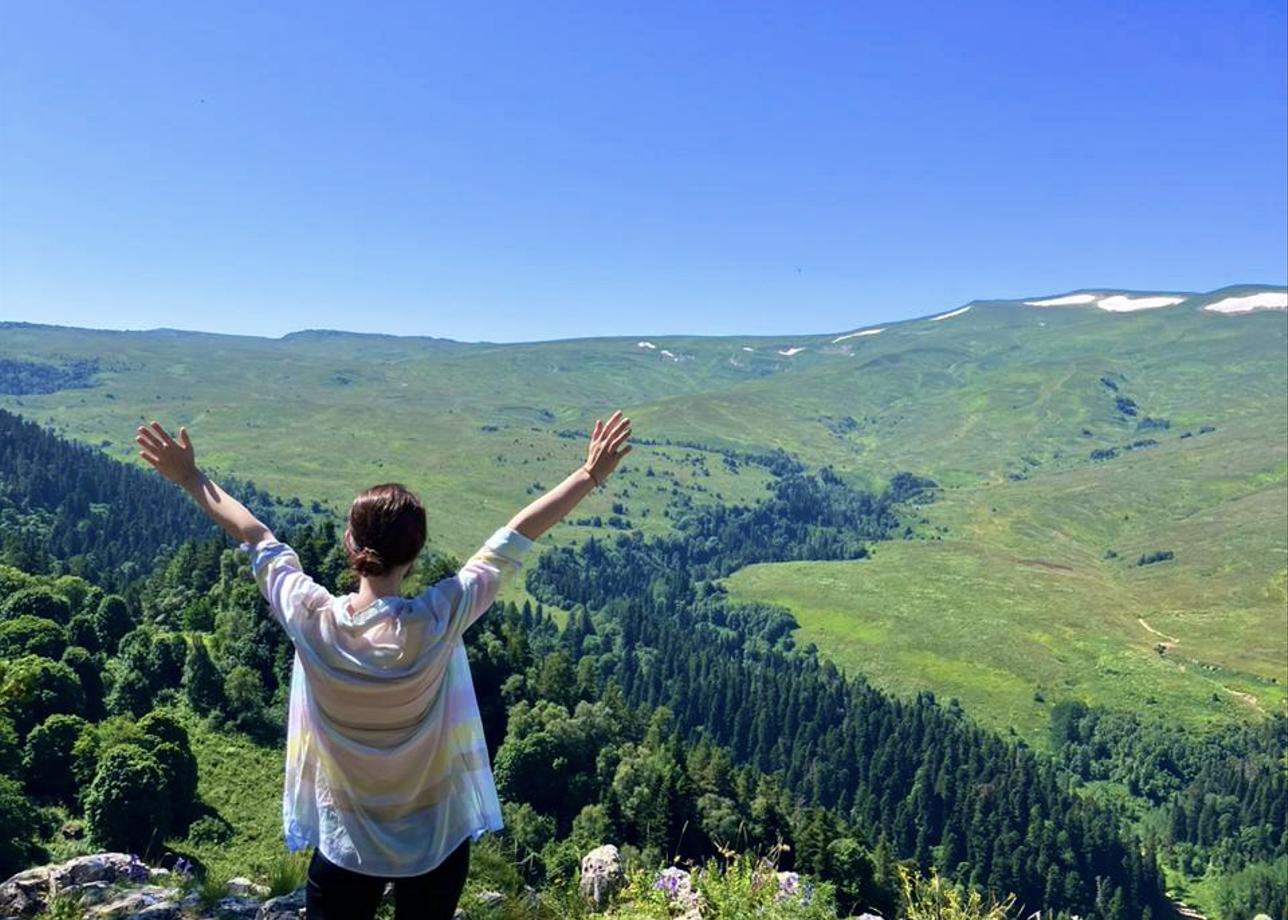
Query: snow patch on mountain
<point x="1068" y="300"/>
<point x="645" y="345"/>
<point x="1269" y="300"/>
<point x="788" y="352"/>
<point x="1121" y="303"/>
<point x="935" y="319"/>
<point x="1114" y="303"/>
<point x="855" y="335"/>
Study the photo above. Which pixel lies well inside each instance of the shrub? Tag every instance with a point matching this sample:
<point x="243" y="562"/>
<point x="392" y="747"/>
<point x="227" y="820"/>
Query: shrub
<point x="18" y="823"/>
<point x="35" y="688"/>
<point x="166" y="662"/>
<point x="10" y="750"/>
<point x="112" y="621"/>
<point x="80" y="631"/>
<point x="202" y="683"/>
<point x="78" y="591"/>
<point x="89" y="668"/>
<point x="128" y="804"/>
<point x="199" y="616"/>
<point x="245" y="693"/>
<point x="209" y="829"/>
<point x="1162" y="555"/>
<point x="37" y="602"/>
<point x="934" y="898"/>
<point x="131" y="694"/>
<point x="29" y="635"/>
<point x="745" y="888"/>
<point x="173" y="752"/>
<point x="180" y="770"/>
<point x="287" y="872"/>
<point x="49" y="756"/>
<point x="13" y="580"/>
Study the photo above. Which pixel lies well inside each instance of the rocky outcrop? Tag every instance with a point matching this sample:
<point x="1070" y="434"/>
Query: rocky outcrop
<point x="602" y="875"/>
<point x="117" y="886"/>
<point x="287" y="907"/>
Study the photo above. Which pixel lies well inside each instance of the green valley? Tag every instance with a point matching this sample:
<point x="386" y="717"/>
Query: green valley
<point x="1070" y="444"/>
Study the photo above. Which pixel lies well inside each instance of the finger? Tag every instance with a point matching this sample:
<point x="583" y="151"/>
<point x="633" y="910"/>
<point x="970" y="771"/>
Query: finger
<point x="163" y="434"/>
<point x="150" y="458"/>
<point x="599" y="427"/>
<point x="622" y="422"/>
<point x="149" y="440"/>
<point x="619" y="439"/>
<point x="184" y="440"/>
<point x="606" y="431"/>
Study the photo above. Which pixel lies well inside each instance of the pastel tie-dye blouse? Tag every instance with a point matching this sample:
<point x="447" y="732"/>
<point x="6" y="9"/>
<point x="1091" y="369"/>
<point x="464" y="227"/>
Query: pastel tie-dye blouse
<point x="386" y="766"/>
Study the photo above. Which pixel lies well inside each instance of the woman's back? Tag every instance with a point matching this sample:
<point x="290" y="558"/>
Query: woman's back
<point x="386" y="763"/>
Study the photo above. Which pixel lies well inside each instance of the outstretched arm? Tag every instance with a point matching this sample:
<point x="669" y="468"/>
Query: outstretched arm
<point x="176" y="461"/>
<point x="607" y="447"/>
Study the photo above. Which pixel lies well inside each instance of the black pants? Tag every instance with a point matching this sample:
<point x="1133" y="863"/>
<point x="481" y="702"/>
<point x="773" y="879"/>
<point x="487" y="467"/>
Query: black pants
<point x="336" y="893"/>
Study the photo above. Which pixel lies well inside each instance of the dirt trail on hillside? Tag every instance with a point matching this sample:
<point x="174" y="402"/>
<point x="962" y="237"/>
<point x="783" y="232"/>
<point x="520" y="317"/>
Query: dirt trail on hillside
<point x="1161" y="635"/>
<point x="1055" y="568"/>
<point x="1248" y="698"/>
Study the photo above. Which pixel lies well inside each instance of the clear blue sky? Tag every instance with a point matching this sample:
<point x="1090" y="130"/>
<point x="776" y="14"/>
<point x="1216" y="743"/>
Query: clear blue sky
<point x="547" y="170"/>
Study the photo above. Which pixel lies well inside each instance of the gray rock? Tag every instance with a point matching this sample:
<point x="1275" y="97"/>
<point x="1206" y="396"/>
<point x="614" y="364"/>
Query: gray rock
<point x="95" y="893"/>
<point x="245" y="888"/>
<point x="24" y="894"/>
<point x="27" y="893"/>
<point x="237" y="907"/>
<point x="149" y="901"/>
<point x="602" y="875"/>
<point x="286" y="907"/>
<point x="165" y="910"/>
<point x="678" y="886"/>
<point x="97" y="867"/>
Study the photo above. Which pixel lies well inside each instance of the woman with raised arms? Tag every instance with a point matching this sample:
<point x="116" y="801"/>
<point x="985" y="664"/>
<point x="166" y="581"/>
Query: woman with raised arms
<point x="387" y="772"/>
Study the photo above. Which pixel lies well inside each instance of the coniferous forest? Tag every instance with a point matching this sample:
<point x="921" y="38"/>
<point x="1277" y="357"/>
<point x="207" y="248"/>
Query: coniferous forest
<point x="655" y="712"/>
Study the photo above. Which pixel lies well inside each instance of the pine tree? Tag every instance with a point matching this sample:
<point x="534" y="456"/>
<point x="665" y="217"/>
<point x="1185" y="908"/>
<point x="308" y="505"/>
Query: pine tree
<point x="202" y="683"/>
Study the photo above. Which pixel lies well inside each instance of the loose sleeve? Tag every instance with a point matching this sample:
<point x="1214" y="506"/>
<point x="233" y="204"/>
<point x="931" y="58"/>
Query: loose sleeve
<point x="455" y="603"/>
<point x="290" y="593"/>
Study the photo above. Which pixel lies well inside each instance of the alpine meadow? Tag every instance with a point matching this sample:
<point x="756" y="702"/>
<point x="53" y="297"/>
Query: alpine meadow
<point x="843" y="583"/>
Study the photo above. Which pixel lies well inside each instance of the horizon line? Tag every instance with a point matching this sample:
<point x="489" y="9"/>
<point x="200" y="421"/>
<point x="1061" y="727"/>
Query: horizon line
<point x="674" y="335"/>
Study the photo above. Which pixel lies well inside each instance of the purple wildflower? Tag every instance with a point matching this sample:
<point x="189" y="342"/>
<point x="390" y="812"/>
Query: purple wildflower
<point x="671" y="880"/>
<point x="136" y="871"/>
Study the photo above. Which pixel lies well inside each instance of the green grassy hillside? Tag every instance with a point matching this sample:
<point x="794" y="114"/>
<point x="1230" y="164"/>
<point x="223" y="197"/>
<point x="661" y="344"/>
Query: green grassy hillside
<point x="1019" y="586"/>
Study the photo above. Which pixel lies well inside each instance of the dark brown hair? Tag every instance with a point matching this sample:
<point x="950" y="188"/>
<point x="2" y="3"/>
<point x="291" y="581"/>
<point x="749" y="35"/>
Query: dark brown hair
<point x="386" y="529"/>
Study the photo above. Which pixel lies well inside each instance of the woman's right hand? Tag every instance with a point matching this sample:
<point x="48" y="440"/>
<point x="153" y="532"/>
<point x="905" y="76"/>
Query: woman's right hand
<point x="607" y="446"/>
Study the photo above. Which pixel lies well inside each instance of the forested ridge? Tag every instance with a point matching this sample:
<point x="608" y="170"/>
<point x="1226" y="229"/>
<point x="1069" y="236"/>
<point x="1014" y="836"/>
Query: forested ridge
<point x="66" y="506"/>
<point x="919" y="776"/>
<point x="661" y="716"/>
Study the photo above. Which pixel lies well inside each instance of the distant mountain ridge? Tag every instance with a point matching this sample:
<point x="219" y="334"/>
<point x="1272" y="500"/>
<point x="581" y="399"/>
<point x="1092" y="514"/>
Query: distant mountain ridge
<point x="1188" y="298"/>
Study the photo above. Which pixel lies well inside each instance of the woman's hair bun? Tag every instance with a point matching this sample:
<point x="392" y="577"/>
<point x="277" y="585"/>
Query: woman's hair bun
<point x="386" y="529"/>
<point x="367" y="561"/>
